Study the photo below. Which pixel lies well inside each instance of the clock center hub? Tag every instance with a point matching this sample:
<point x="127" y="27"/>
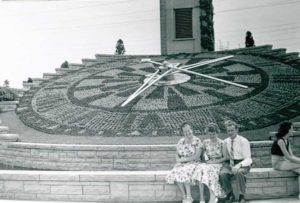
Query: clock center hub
<point x="174" y="79"/>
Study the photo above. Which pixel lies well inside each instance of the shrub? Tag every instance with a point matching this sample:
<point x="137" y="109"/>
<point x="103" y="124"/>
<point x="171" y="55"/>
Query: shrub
<point x="6" y="94"/>
<point x="120" y="48"/>
<point x="65" y="65"/>
<point x="30" y="80"/>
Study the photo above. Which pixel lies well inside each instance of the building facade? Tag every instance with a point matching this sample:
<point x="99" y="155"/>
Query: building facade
<point x="186" y="26"/>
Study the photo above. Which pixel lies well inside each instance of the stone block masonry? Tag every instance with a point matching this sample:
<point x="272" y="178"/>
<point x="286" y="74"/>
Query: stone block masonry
<point x="126" y="186"/>
<point x="104" y="157"/>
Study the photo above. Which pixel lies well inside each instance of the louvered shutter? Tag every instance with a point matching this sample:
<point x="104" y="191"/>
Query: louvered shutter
<point x="183" y="23"/>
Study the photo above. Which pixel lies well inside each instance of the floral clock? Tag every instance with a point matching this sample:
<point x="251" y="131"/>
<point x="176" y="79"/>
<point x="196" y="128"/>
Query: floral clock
<point x="88" y="100"/>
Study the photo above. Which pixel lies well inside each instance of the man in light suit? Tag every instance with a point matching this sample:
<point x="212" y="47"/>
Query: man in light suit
<point x="238" y="164"/>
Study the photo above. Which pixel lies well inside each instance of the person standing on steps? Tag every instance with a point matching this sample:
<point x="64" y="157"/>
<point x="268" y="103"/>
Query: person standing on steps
<point x="281" y="151"/>
<point x="238" y="165"/>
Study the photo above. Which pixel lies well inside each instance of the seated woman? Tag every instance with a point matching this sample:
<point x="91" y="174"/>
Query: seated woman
<point x="208" y="173"/>
<point x="282" y="156"/>
<point x="188" y="151"/>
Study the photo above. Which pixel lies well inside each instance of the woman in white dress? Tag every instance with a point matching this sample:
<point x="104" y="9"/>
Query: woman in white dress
<point x="207" y="173"/>
<point x="188" y="151"/>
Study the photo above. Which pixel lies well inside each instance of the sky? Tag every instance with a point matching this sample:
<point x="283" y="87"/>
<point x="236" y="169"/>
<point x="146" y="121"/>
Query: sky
<point x="38" y="36"/>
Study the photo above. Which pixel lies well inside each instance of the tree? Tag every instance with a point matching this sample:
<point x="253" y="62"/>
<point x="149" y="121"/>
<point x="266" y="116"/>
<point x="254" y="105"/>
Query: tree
<point x="64" y="65"/>
<point x="120" y="48"/>
<point x="6" y="83"/>
<point x="6" y="94"/>
<point x="29" y="80"/>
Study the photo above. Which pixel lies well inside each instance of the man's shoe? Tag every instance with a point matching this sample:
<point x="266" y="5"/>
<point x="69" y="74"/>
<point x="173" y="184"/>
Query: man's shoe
<point x="230" y="198"/>
<point x="221" y="200"/>
<point x="242" y="200"/>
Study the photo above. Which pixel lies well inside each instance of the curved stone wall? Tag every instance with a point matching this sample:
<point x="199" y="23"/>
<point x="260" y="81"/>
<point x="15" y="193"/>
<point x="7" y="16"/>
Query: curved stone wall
<point x="127" y="186"/>
<point x="104" y="157"/>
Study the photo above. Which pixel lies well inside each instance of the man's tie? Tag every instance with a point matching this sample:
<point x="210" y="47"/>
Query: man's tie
<point x="231" y="154"/>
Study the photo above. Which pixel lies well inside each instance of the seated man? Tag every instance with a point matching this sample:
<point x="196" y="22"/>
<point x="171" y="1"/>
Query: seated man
<point x="239" y="163"/>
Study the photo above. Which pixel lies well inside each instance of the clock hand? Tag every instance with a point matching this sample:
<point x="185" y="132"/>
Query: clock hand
<point x="210" y="77"/>
<point x="131" y="97"/>
<point x="168" y="72"/>
<point x="191" y="66"/>
<point x="145" y="83"/>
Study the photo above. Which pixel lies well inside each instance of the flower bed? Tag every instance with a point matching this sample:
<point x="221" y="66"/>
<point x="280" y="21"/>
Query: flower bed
<point x="87" y="101"/>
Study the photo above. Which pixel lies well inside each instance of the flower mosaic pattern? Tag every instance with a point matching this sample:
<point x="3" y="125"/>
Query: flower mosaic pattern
<point x="90" y="98"/>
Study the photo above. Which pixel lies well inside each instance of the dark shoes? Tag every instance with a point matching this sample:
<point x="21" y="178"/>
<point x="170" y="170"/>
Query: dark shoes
<point x="229" y="198"/>
<point x="242" y="200"/>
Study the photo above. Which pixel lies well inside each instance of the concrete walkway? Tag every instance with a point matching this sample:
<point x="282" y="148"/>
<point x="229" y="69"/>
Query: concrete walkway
<point x="284" y="200"/>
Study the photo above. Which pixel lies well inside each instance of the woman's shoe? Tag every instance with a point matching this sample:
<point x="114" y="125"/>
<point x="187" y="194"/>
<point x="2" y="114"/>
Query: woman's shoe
<point x="188" y="200"/>
<point x="215" y="200"/>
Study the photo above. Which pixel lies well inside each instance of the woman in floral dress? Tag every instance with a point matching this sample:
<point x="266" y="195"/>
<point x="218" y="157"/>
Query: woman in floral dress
<point x="188" y="152"/>
<point x="208" y="173"/>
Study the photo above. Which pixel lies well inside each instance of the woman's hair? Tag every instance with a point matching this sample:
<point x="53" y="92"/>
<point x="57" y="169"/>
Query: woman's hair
<point x="182" y="126"/>
<point x="212" y="127"/>
<point x="283" y="129"/>
<point x="248" y="33"/>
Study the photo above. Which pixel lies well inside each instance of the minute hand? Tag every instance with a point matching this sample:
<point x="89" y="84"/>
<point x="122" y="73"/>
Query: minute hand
<point x="210" y="77"/>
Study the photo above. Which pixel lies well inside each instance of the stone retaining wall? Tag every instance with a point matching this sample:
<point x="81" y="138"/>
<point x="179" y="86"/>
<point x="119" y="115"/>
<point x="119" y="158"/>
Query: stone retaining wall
<point x="126" y="186"/>
<point x="104" y="157"/>
<point x="8" y="105"/>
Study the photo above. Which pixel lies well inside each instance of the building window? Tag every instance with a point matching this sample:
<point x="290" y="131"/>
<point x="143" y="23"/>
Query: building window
<point x="183" y="23"/>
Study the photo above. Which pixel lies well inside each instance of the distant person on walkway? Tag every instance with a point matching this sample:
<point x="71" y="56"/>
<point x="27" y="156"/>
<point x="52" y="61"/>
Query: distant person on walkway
<point x="207" y="173"/>
<point x="281" y="151"/>
<point x="249" y="40"/>
<point x="188" y="151"/>
<point x="238" y="165"/>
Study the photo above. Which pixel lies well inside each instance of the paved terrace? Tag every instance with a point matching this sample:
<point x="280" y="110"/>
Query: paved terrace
<point x="283" y="200"/>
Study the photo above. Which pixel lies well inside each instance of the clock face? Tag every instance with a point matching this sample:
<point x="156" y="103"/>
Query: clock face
<point x="89" y="100"/>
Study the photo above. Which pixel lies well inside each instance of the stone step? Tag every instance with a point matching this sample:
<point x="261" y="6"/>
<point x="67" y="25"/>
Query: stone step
<point x="28" y="85"/>
<point x="3" y="129"/>
<point x="280" y="200"/>
<point x="128" y="186"/>
<point x="89" y="62"/>
<point x="64" y="70"/>
<point x="275" y="52"/>
<point x="296" y="124"/>
<point x="50" y="75"/>
<point x="28" y="201"/>
<point x="8" y="105"/>
<point x="5" y="137"/>
<point x="38" y="80"/>
<point x="291" y="56"/>
<point x="21" y="109"/>
<point x="106" y="157"/>
<point x="250" y="50"/>
<point x="75" y="66"/>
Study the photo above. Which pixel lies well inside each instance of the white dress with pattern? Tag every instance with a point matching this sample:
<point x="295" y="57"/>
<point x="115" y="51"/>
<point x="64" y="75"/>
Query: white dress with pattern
<point x="209" y="173"/>
<point x="182" y="172"/>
